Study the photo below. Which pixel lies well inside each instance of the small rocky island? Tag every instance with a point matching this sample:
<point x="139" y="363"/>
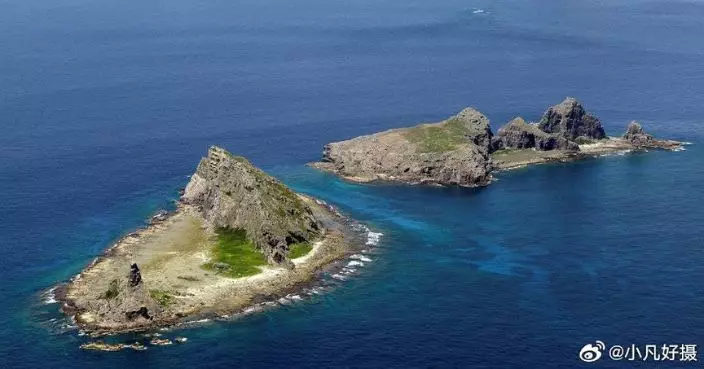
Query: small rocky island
<point x="463" y="150"/>
<point x="238" y="237"/>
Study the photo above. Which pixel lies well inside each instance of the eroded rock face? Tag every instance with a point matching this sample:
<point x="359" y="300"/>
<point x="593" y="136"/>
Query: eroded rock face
<point x="231" y="192"/>
<point x="142" y="312"/>
<point x="568" y="119"/>
<point x="452" y="152"/>
<point x="518" y="134"/>
<point x="636" y="135"/>
<point x="479" y="130"/>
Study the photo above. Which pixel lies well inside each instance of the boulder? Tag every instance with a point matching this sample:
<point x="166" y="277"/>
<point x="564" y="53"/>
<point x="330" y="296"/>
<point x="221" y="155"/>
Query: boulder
<point x="568" y="119"/>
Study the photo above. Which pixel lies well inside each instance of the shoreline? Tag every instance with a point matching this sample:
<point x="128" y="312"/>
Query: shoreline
<point x="605" y="147"/>
<point x="381" y="178"/>
<point x="221" y="296"/>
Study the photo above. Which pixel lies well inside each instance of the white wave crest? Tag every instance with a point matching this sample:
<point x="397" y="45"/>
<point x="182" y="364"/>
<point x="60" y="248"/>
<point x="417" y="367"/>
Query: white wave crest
<point x="373" y="238"/>
<point x="190" y="322"/>
<point x="50" y="296"/>
<point x="361" y="258"/>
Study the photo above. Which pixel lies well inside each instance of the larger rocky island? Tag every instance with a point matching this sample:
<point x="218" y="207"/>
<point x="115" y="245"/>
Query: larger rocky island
<point x="239" y="237"/>
<point x="462" y="150"/>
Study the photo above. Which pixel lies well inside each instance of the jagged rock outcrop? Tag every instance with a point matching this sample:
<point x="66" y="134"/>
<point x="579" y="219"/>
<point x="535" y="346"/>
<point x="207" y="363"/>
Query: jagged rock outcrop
<point x="477" y="126"/>
<point x="122" y="300"/>
<point x="451" y="152"/>
<point x="135" y="275"/>
<point x="142" y="312"/>
<point x="568" y="119"/>
<point x="518" y="134"/>
<point x="231" y="192"/>
<point x="637" y="137"/>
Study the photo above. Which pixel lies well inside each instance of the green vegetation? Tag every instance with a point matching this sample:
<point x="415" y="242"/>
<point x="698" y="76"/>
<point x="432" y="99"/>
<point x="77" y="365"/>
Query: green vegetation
<point x="236" y="253"/>
<point x="112" y="291"/>
<point x="439" y="138"/>
<point x="287" y="203"/>
<point x="164" y="298"/>
<point x="504" y="151"/>
<point x="297" y="250"/>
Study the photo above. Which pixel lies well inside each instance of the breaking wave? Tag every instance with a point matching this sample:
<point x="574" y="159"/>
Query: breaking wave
<point x="49" y="297"/>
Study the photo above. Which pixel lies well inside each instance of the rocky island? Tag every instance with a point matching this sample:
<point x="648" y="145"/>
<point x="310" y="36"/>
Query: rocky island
<point x="463" y="150"/>
<point x="455" y="151"/>
<point x="238" y="237"/>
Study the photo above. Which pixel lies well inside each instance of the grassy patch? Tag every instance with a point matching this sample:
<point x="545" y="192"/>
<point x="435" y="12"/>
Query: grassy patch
<point x="439" y="138"/>
<point x="504" y="151"/>
<point x="164" y="298"/>
<point x="299" y="249"/>
<point x="235" y="251"/>
<point x="112" y="291"/>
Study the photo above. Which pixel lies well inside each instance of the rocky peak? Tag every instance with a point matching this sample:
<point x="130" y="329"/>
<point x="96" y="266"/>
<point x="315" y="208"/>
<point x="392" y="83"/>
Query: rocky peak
<point x="518" y="134"/>
<point x="636" y="135"/>
<point x="476" y="125"/>
<point x="634" y="128"/>
<point x="230" y="192"/>
<point x="570" y="120"/>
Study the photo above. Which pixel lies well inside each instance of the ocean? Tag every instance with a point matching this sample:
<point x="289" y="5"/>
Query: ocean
<point x="106" y="108"/>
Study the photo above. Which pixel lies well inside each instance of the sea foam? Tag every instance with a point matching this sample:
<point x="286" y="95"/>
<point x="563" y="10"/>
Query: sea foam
<point x="50" y="296"/>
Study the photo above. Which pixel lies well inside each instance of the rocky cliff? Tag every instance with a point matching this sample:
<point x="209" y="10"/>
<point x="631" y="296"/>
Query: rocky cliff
<point x="568" y="119"/>
<point x="518" y="134"/>
<point x="454" y="152"/>
<point x="230" y="192"/>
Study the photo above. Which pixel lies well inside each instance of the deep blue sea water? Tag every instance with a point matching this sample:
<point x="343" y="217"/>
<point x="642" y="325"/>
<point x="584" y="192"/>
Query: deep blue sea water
<point x="106" y="108"/>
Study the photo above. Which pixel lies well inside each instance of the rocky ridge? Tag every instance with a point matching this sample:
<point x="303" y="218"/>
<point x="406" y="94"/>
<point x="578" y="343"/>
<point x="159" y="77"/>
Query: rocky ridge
<point x="518" y="134"/>
<point x="570" y="120"/>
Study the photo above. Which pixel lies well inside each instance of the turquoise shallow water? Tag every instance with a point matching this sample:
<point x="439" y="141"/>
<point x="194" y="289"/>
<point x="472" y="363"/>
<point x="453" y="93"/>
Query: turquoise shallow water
<point x="105" y="109"/>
